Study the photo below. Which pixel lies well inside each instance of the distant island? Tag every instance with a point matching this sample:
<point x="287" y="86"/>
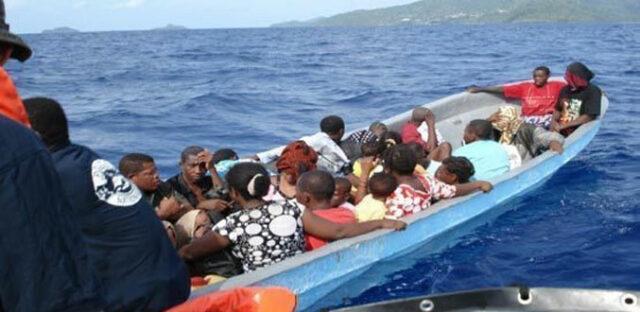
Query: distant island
<point x="60" y="30"/>
<point x="171" y="27"/>
<point x="428" y="12"/>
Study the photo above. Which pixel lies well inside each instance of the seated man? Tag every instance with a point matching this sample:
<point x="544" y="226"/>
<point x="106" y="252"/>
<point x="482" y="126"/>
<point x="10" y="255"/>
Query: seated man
<point x="127" y="246"/>
<point x="316" y="191"/>
<point x="192" y="187"/>
<point x="141" y="170"/>
<point x="538" y="98"/>
<point x="421" y="129"/>
<point x="487" y="156"/>
<point x="579" y="102"/>
<point x="331" y="157"/>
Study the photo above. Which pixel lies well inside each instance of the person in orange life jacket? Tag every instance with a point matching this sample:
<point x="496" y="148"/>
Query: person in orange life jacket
<point x="127" y="246"/>
<point x="579" y="102"/>
<point x="538" y="98"/>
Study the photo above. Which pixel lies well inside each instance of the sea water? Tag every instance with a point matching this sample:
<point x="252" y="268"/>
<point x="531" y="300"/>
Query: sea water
<point x="252" y="89"/>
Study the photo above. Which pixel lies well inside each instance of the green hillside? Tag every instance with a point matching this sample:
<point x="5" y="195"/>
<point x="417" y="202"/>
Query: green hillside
<point x="428" y="12"/>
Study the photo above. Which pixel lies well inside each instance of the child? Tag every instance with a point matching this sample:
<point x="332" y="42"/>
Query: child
<point x="342" y="196"/>
<point x="371" y="150"/>
<point x="372" y="207"/>
<point x="193" y="224"/>
<point x="455" y="170"/>
<point x="316" y="190"/>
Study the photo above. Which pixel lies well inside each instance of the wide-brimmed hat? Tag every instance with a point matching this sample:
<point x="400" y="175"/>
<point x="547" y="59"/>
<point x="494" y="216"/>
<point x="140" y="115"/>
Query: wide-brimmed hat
<point x="21" y="50"/>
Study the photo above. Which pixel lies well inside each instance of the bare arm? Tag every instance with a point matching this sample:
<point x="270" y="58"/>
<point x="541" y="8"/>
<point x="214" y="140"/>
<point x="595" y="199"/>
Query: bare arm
<point x="330" y="231"/>
<point x="493" y="90"/>
<point x="432" y="141"/>
<point x="582" y="119"/>
<point x="468" y="188"/>
<point x="206" y="245"/>
<point x="366" y="164"/>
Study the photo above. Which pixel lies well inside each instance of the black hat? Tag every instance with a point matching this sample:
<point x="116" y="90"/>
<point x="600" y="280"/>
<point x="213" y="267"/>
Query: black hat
<point x="21" y="51"/>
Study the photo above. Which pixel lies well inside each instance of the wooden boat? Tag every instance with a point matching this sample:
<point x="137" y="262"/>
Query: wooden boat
<point x="316" y="274"/>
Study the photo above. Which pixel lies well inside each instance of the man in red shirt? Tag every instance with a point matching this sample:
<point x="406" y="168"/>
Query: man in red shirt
<point x="411" y="134"/>
<point x="538" y="98"/>
<point x="315" y="190"/>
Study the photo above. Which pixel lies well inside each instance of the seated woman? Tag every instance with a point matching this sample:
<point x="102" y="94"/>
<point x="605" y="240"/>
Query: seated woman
<point x="296" y="159"/>
<point x="267" y="232"/>
<point x="529" y="140"/>
<point x="579" y="102"/>
<point x="416" y="192"/>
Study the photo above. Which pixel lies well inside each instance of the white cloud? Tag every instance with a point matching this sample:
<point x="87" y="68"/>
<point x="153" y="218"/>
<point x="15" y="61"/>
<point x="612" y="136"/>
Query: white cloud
<point x="129" y="4"/>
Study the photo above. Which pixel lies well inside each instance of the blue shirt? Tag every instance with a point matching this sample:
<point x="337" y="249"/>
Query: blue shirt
<point x="489" y="159"/>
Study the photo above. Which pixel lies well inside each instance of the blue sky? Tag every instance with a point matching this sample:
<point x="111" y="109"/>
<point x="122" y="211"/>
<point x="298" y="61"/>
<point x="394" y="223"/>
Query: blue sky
<point x="28" y="16"/>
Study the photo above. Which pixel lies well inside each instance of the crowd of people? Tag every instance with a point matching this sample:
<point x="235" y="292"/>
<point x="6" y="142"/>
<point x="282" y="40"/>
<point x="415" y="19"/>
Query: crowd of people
<point x="97" y="237"/>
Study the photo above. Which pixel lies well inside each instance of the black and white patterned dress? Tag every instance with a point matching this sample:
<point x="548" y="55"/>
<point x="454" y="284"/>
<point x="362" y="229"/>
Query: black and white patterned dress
<point x="265" y="235"/>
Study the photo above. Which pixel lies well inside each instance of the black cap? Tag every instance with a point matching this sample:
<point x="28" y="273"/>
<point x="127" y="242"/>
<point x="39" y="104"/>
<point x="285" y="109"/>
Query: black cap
<point x="21" y="50"/>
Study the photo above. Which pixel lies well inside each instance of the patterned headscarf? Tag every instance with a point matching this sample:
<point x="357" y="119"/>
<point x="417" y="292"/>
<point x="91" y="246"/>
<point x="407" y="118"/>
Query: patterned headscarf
<point x="508" y="122"/>
<point x="296" y="159"/>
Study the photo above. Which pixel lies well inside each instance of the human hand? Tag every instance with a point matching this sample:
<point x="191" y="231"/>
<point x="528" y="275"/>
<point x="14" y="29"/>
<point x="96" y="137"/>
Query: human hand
<point x="206" y="157"/>
<point x="170" y="209"/>
<point x="556" y="127"/>
<point x="485" y="186"/>
<point x="556" y="147"/>
<point x="214" y="204"/>
<point x="430" y="118"/>
<point x="367" y="164"/>
<point x="393" y="224"/>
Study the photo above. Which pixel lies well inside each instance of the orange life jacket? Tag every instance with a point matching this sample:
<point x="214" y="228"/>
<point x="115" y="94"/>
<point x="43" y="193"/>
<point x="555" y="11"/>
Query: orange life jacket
<point x="10" y="103"/>
<point x="271" y="299"/>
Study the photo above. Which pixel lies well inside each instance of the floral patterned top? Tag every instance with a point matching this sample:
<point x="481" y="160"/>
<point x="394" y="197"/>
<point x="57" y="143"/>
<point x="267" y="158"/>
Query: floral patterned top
<point x="265" y="235"/>
<point x="406" y="200"/>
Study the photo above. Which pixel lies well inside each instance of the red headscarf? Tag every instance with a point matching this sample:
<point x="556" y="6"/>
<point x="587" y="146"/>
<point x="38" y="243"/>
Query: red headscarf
<point x="10" y="103"/>
<point x="296" y="159"/>
<point x="575" y="81"/>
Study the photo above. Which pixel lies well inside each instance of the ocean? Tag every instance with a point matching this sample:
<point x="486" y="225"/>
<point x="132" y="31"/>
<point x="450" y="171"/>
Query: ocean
<point x="252" y="89"/>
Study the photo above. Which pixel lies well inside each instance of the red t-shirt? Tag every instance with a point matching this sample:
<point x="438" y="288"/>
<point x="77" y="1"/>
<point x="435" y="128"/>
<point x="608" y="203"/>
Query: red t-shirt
<point x="535" y="101"/>
<point x="410" y="134"/>
<point x="335" y="215"/>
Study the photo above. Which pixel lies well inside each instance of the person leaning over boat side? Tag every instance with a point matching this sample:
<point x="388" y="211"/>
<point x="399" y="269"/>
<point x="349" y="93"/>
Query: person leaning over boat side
<point x="296" y="159"/>
<point x="579" y="102"/>
<point x="331" y="157"/>
<point x="421" y="129"/>
<point x="141" y="170"/>
<point x="192" y="187"/>
<point x="315" y="190"/>
<point x="538" y="98"/>
<point x="132" y="257"/>
<point x="416" y="192"/>
<point x="488" y="157"/>
<point x="267" y="232"/>
<point x="529" y="140"/>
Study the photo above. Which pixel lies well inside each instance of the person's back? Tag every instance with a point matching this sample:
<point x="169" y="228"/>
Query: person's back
<point x="43" y="261"/>
<point x="127" y="245"/>
<point x="488" y="158"/>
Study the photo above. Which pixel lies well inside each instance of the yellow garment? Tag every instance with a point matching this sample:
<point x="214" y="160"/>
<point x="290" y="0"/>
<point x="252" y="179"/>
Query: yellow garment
<point x="357" y="171"/>
<point x="370" y="209"/>
<point x="419" y="170"/>
<point x="508" y="122"/>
